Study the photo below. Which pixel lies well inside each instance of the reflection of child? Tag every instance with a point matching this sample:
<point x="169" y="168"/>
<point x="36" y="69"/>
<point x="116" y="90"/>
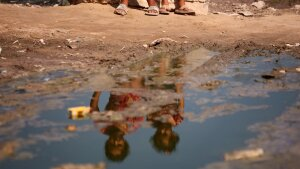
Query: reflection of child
<point x="116" y="147"/>
<point x="165" y="139"/>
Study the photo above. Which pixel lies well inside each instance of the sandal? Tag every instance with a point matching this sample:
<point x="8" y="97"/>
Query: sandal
<point x="185" y="11"/>
<point x="122" y="9"/>
<point x="152" y="11"/>
<point x="165" y="10"/>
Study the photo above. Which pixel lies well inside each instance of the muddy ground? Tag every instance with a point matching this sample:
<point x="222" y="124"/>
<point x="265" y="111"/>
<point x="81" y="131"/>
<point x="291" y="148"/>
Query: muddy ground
<point x="86" y="38"/>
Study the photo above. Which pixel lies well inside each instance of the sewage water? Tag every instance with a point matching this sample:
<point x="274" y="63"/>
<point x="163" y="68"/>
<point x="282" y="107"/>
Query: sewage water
<point x="162" y="112"/>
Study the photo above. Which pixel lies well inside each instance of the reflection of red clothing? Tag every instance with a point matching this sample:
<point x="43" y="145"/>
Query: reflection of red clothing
<point x="119" y="103"/>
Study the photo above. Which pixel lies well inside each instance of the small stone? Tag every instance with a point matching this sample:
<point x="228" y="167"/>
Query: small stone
<point x="246" y="13"/>
<point x="22" y="51"/>
<point x="259" y="4"/>
<point x="42" y="41"/>
<point x="72" y="46"/>
<point x="145" y="45"/>
<point x="282" y="71"/>
<point x="3" y="58"/>
<point x="272" y="9"/>
<point x="297" y="6"/>
<point x="298" y="69"/>
<point x="0" y="50"/>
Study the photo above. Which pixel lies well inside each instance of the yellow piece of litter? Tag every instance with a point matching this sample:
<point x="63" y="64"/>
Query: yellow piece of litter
<point x="81" y="112"/>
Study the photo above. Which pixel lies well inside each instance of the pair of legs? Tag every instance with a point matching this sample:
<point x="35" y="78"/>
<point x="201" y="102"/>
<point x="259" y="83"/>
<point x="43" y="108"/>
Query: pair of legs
<point x="180" y="8"/>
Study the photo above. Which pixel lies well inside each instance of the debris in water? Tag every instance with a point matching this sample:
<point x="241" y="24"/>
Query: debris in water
<point x="268" y="76"/>
<point x="76" y="113"/>
<point x="244" y="154"/>
<point x="211" y="85"/>
<point x="71" y="128"/>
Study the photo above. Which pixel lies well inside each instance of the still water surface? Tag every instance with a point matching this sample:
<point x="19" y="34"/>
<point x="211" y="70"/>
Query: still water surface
<point x="161" y="113"/>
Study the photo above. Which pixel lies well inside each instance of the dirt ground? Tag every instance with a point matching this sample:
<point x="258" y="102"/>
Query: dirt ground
<point x="87" y="37"/>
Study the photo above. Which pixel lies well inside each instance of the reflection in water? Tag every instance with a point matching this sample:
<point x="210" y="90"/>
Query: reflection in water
<point x="140" y="121"/>
<point x="168" y="116"/>
<point x="164" y="139"/>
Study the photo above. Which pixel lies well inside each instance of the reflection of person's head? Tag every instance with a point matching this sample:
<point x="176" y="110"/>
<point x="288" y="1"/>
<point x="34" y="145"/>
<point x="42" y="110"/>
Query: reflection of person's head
<point x="165" y="139"/>
<point x="116" y="147"/>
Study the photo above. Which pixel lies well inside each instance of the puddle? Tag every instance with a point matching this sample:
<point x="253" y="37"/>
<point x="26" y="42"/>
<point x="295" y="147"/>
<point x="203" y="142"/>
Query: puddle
<point x="158" y="113"/>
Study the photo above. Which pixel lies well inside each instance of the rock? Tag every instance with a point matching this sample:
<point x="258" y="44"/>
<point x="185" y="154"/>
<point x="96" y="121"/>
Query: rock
<point x="0" y="50"/>
<point x="272" y="9"/>
<point x="160" y="40"/>
<point x="42" y="41"/>
<point x="297" y="6"/>
<point x="246" y="13"/>
<point x="198" y="7"/>
<point x="290" y="45"/>
<point x="259" y="4"/>
<point x="298" y="69"/>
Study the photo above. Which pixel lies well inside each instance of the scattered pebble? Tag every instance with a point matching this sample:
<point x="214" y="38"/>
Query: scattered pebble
<point x="160" y="40"/>
<point x="272" y="9"/>
<point x="3" y="71"/>
<point x="290" y="45"/>
<point x="282" y="71"/>
<point x="259" y="4"/>
<point x="42" y="41"/>
<point x="246" y="13"/>
<point x="22" y="51"/>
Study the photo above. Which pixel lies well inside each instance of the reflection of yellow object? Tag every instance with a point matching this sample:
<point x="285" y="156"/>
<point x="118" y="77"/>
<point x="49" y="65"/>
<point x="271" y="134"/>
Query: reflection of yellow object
<point x="244" y="154"/>
<point x="71" y="128"/>
<point x="78" y="113"/>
